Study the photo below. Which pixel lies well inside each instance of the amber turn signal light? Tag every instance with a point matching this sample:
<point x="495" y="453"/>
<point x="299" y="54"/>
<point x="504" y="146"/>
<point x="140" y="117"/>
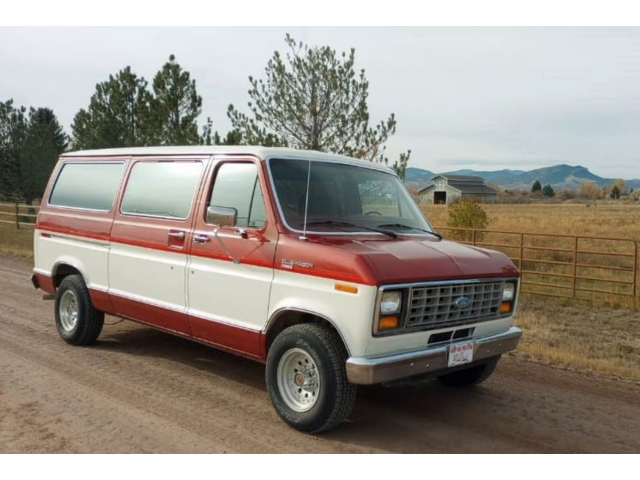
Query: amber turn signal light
<point x="505" y="307"/>
<point x="386" y="323"/>
<point x="343" y="287"/>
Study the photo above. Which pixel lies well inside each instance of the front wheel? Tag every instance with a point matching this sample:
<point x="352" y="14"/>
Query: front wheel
<point x="470" y="376"/>
<point x="306" y="378"/>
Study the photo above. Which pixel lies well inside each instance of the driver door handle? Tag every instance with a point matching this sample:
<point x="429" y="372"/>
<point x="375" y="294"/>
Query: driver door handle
<point x="201" y="238"/>
<point x="178" y="235"/>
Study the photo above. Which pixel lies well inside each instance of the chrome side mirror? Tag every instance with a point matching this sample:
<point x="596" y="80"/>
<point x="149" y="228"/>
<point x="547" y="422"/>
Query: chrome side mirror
<point x="222" y="216"/>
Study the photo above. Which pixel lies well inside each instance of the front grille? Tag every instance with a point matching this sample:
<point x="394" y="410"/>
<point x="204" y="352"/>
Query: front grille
<point x="434" y="306"/>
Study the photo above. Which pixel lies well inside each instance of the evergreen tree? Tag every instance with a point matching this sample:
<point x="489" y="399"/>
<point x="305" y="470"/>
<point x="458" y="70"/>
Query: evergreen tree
<point x="536" y="187"/>
<point x="312" y="98"/>
<point x="117" y="115"/>
<point x="209" y="137"/>
<point x="615" y="192"/>
<point x="45" y="142"/>
<point x="13" y="133"/>
<point x="175" y="107"/>
<point x="548" y="191"/>
<point x="30" y="144"/>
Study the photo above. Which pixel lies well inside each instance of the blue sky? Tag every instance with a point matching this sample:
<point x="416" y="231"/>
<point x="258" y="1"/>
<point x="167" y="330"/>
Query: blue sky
<point x="483" y="98"/>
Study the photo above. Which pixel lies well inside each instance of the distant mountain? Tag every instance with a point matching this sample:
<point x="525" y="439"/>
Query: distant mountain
<point x="417" y="175"/>
<point x="558" y="176"/>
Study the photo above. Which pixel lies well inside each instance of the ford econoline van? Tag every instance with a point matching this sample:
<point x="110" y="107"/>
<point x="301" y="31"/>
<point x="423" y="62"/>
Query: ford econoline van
<point x="320" y="266"/>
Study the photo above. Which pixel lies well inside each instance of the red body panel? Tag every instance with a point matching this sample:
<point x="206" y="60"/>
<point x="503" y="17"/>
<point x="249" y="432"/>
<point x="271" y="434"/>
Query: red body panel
<point x="43" y="282"/>
<point x="380" y="260"/>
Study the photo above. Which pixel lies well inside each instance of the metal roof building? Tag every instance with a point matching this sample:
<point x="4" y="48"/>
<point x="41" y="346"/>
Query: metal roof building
<point x="445" y="189"/>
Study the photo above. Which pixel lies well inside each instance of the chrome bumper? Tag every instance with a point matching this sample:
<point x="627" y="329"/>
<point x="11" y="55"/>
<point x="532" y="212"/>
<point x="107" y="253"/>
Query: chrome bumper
<point x="367" y="371"/>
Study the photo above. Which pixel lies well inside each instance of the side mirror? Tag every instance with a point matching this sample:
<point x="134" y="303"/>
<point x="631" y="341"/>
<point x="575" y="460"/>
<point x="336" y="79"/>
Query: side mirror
<point x="222" y="216"/>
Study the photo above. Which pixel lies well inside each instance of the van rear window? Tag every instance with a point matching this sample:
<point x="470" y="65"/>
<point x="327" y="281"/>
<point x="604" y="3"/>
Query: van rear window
<point x="90" y="186"/>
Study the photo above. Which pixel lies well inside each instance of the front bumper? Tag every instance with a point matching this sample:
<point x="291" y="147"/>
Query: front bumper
<point x="368" y="371"/>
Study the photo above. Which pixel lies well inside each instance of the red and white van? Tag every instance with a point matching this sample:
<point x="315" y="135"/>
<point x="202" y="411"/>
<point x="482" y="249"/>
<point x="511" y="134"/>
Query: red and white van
<point x="321" y="266"/>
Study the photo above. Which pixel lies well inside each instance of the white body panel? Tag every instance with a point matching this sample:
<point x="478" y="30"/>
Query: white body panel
<point x="409" y="342"/>
<point x="148" y="275"/>
<point x="234" y="293"/>
<point x="88" y="256"/>
<point x="351" y="314"/>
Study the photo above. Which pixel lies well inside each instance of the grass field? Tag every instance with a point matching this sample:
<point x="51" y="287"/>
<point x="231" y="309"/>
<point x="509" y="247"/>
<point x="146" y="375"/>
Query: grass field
<point x="17" y="243"/>
<point x="571" y="219"/>
<point x="579" y="336"/>
<point x="572" y="334"/>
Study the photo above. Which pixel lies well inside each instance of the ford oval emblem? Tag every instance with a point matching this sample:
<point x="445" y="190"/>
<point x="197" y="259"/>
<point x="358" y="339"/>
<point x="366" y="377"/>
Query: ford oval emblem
<point x="462" y="302"/>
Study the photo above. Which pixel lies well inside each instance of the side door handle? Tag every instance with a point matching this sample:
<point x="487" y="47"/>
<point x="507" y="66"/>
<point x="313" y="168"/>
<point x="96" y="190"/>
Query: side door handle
<point x="177" y="235"/>
<point x="201" y="238"/>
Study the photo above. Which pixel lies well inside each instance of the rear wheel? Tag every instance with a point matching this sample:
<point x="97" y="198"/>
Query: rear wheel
<point x="77" y="322"/>
<point x="470" y="376"/>
<point x="306" y="378"/>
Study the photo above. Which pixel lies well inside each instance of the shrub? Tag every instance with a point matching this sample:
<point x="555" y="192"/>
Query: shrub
<point x="466" y="213"/>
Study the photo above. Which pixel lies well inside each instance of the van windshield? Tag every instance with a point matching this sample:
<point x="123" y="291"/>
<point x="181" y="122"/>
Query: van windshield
<point x="344" y="198"/>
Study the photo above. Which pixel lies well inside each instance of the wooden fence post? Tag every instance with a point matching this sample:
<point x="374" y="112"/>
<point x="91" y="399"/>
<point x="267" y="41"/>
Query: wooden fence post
<point x="17" y="217"/>
<point x="575" y="265"/>
<point x="636" y="299"/>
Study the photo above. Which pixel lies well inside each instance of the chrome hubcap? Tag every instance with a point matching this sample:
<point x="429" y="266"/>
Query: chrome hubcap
<point x="298" y="380"/>
<point x="68" y="310"/>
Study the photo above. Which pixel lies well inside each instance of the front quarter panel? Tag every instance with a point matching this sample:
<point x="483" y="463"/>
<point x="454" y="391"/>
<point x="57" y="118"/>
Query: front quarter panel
<point x="350" y="313"/>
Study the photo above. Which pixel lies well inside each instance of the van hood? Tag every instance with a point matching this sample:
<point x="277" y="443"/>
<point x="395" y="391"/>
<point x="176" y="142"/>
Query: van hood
<point x="413" y="259"/>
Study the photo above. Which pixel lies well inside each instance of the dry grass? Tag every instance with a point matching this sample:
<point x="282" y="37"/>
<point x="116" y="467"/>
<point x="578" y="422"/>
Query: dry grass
<point x="16" y="243"/>
<point x="600" y="340"/>
<point x="604" y="220"/>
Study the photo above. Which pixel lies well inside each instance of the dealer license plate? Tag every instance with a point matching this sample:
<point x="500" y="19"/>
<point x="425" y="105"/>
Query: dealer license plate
<point x="461" y="353"/>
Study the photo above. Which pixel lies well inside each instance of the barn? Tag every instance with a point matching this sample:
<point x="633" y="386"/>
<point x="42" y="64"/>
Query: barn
<point x="445" y="189"/>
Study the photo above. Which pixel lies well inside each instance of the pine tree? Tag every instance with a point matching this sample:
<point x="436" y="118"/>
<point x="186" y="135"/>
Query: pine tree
<point x="615" y="192"/>
<point x="30" y="143"/>
<point x="117" y="115"/>
<point x="548" y="191"/>
<point x="312" y="98"/>
<point x="175" y="107"/>
<point x="536" y="187"/>
<point x="13" y="133"/>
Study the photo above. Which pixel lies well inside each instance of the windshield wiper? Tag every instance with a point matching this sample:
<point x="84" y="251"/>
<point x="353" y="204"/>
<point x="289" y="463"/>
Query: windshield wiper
<point x="402" y="225"/>
<point x="352" y="225"/>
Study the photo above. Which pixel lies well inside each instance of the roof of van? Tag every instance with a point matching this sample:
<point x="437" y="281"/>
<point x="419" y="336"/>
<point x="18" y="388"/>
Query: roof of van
<point x="260" y="152"/>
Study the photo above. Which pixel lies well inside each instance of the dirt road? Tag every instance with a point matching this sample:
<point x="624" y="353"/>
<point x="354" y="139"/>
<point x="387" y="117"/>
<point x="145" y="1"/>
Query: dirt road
<point x="139" y="390"/>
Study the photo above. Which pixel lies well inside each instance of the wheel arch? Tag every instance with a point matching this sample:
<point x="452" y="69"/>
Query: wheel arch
<point x="287" y="317"/>
<point x="63" y="269"/>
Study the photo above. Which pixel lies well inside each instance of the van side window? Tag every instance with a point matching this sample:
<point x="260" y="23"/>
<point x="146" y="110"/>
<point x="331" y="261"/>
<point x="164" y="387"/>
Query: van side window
<point x="161" y="189"/>
<point x="90" y="186"/>
<point x="237" y="186"/>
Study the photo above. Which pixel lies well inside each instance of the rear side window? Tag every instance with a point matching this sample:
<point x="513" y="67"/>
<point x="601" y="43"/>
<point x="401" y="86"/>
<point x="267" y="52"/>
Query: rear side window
<point x="237" y="186"/>
<point x="90" y="186"/>
<point x="161" y="189"/>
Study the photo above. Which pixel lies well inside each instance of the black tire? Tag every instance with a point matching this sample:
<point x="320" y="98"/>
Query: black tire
<point x="470" y="376"/>
<point x="336" y="396"/>
<point x="89" y="321"/>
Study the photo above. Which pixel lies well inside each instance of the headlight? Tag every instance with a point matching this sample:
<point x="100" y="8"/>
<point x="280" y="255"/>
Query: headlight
<point x="509" y="292"/>
<point x="391" y="303"/>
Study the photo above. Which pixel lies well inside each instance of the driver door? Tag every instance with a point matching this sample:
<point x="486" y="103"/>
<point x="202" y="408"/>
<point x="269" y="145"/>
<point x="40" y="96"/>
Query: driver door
<point x="231" y="264"/>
